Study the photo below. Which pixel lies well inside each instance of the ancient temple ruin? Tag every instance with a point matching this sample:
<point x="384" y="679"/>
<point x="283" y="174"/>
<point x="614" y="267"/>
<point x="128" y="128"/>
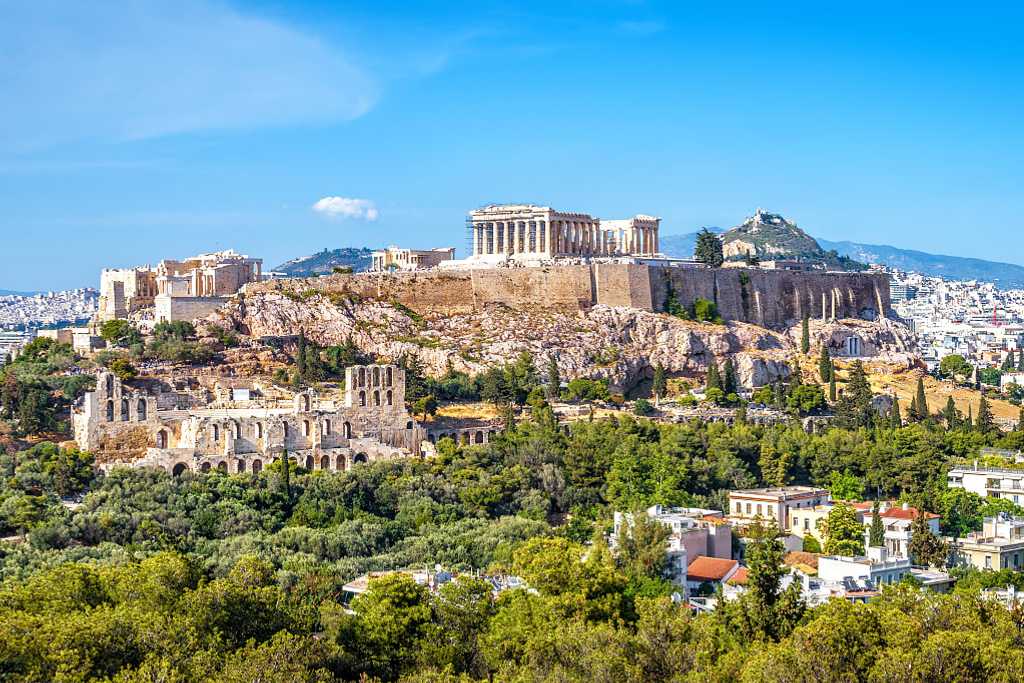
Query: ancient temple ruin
<point x="144" y="426"/>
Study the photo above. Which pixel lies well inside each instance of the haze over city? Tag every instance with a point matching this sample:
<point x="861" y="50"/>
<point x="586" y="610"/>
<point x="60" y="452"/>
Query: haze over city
<point x="280" y="129"/>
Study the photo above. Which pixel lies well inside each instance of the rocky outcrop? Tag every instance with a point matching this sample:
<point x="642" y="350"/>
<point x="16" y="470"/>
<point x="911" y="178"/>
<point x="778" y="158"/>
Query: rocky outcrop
<point x="620" y="344"/>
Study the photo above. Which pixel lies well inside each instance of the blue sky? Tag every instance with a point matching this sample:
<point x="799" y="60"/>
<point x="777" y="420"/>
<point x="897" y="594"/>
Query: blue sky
<point x="135" y="131"/>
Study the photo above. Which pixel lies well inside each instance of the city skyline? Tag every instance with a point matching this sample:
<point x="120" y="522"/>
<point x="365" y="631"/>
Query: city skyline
<point x="323" y="128"/>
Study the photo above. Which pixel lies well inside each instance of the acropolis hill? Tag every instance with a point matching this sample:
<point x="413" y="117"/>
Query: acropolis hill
<point x="769" y="298"/>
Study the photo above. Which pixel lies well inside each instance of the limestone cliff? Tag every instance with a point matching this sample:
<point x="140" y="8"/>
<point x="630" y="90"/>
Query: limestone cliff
<point x="621" y="344"/>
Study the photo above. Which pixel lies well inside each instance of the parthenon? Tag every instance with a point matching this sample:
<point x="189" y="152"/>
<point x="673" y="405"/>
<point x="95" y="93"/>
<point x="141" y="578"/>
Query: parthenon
<point x="530" y="232"/>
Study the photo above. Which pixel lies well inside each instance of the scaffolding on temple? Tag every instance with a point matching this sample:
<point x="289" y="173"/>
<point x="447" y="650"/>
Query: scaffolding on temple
<point x="470" y="237"/>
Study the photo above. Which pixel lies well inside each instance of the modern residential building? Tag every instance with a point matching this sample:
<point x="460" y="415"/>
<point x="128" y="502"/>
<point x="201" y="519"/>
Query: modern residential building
<point x="997" y="482"/>
<point x="897" y="521"/>
<point x="774" y="504"/>
<point x="708" y="572"/>
<point x="999" y="545"/>
<point x="875" y="569"/>
<point x="396" y="258"/>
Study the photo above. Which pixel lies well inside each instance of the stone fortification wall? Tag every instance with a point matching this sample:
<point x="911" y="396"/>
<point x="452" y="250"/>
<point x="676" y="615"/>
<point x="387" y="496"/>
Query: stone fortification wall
<point x="770" y="298"/>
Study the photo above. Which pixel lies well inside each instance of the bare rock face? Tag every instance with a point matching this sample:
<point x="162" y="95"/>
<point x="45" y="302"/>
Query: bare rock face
<point x="619" y="344"/>
<point x="884" y="339"/>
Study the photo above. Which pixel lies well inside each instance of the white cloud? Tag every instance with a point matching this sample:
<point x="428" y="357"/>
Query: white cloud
<point x="345" y="207"/>
<point x="147" y="68"/>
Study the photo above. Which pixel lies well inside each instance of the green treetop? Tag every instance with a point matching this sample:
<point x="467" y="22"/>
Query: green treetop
<point x="709" y="249"/>
<point x="805" y="335"/>
<point x="844" y="533"/>
<point x="876" y="536"/>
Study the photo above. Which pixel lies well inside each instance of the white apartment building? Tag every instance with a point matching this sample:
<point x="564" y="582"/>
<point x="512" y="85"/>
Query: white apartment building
<point x="999" y="544"/>
<point x="876" y="569"/>
<point x="996" y="482"/>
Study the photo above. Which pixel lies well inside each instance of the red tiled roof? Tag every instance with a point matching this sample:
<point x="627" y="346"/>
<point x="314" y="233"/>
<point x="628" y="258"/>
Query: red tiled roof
<point x="895" y="512"/>
<point x="739" y="578"/>
<point x="709" y="568"/>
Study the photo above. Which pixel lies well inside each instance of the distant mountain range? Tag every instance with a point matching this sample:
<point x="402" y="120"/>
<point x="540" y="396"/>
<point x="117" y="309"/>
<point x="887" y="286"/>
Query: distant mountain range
<point x="11" y="292"/>
<point x="1006" y="275"/>
<point x="324" y="262"/>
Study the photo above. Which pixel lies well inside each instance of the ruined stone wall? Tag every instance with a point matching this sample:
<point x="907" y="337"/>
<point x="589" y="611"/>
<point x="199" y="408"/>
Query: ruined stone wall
<point x="770" y="298"/>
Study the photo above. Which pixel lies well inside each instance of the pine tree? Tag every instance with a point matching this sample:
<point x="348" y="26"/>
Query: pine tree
<point x="922" y="401"/>
<point x="854" y="409"/>
<point x="780" y="395"/>
<point x="896" y="420"/>
<point x="825" y="368"/>
<point x="714" y="379"/>
<point x="709" y="249"/>
<point x="951" y="415"/>
<point x="729" y="381"/>
<point x="876" y="535"/>
<point x="659" y="385"/>
<point x="986" y="422"/>
<point x="554" y="378"/>
<point x="805" y="335"/>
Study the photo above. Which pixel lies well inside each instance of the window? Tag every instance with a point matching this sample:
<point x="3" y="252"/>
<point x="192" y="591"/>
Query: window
<point x="327" y="430"/>
<point x="259" y="430"/>
<point x="390" y="399"/>
<point x="110" y="411"/>
<point x="216" y="433"/>
<point x="124" y="410"/>
<point x="796" y="522"/>
<point x="748" y="508"/>
<point x="988" y="562"/>
<point x="362" y="398"/>
<point x="140" y="411"/>
<point x="739" y="507"/>
<point x="759" y="508"/>
<point x="110" y="386"/>
<point x="807" y="524"/>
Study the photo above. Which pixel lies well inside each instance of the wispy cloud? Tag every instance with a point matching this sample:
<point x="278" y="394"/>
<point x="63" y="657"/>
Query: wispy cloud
<point x="642" y="28"/>
<point x="148" y="68"/>
<point x="345" y="207"/>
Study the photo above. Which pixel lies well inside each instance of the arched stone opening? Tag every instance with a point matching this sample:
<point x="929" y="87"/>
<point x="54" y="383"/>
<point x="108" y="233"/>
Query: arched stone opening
<point x="362" y="398"/>
<point x="339" y="463"/>
<point x="257" y="466"/>
<point x="259" y="430"/>
<point x="479" y="437"/>
<point x="110" y="385"/>
<point x="360" y="459"/>
<point x="376" y="376"/>
<point x="362" y="377"/>
<point x="309" y="462"/>
<point x="285" y="429"/>
<point x="222" y="466"/>
<point x="205" y="467"/>
<point x="376" y="398"/>
<point x="140" y="410"/>
<point x="124" y="410"/>
<point x="161" y="439"/>
<point x="390" y="398"/>
<point x="216" y="433"/>
<point x="305" y="428"/>
<point x="327" y="426"/>
<point x="305" y="403"/>
<point x="347" y="430"/>
<point x="239" y="466"/>
<point x="389" y="376"/>
<point x="325" y="463"/>
<point x="110" y="411"/>
<point x="179" y="469"/>
<point x="408" y="425"/>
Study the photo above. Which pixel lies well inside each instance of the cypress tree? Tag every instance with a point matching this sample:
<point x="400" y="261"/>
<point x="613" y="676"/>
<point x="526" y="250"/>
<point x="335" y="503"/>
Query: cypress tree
<point x="300" y="355"/>
<point x="922" y="401"/>
<point x="555" y="379"/>
<point x="968" y="424"/>
<point x="729" y="381"/>
<point x="832" y="389"/>
<point x="1010" y="364"/>
<point x="660" y="385"/>
<point x="1020" y="421"/>
<point x="825" y="368"/>
<point x="951" y="415"/>
<point x="780" y="395"/>
<point x="805" y="335"/>
<point x="876" y="536"/>
<point x="714" y="379"/>
<point x="986" y="421"/>
<point x="854" y="410"/>
<point x="797" y="377"/>
<point x="1020" y="361"/>
<point x="894" y="414"/>
<point x="912" y="412"/>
